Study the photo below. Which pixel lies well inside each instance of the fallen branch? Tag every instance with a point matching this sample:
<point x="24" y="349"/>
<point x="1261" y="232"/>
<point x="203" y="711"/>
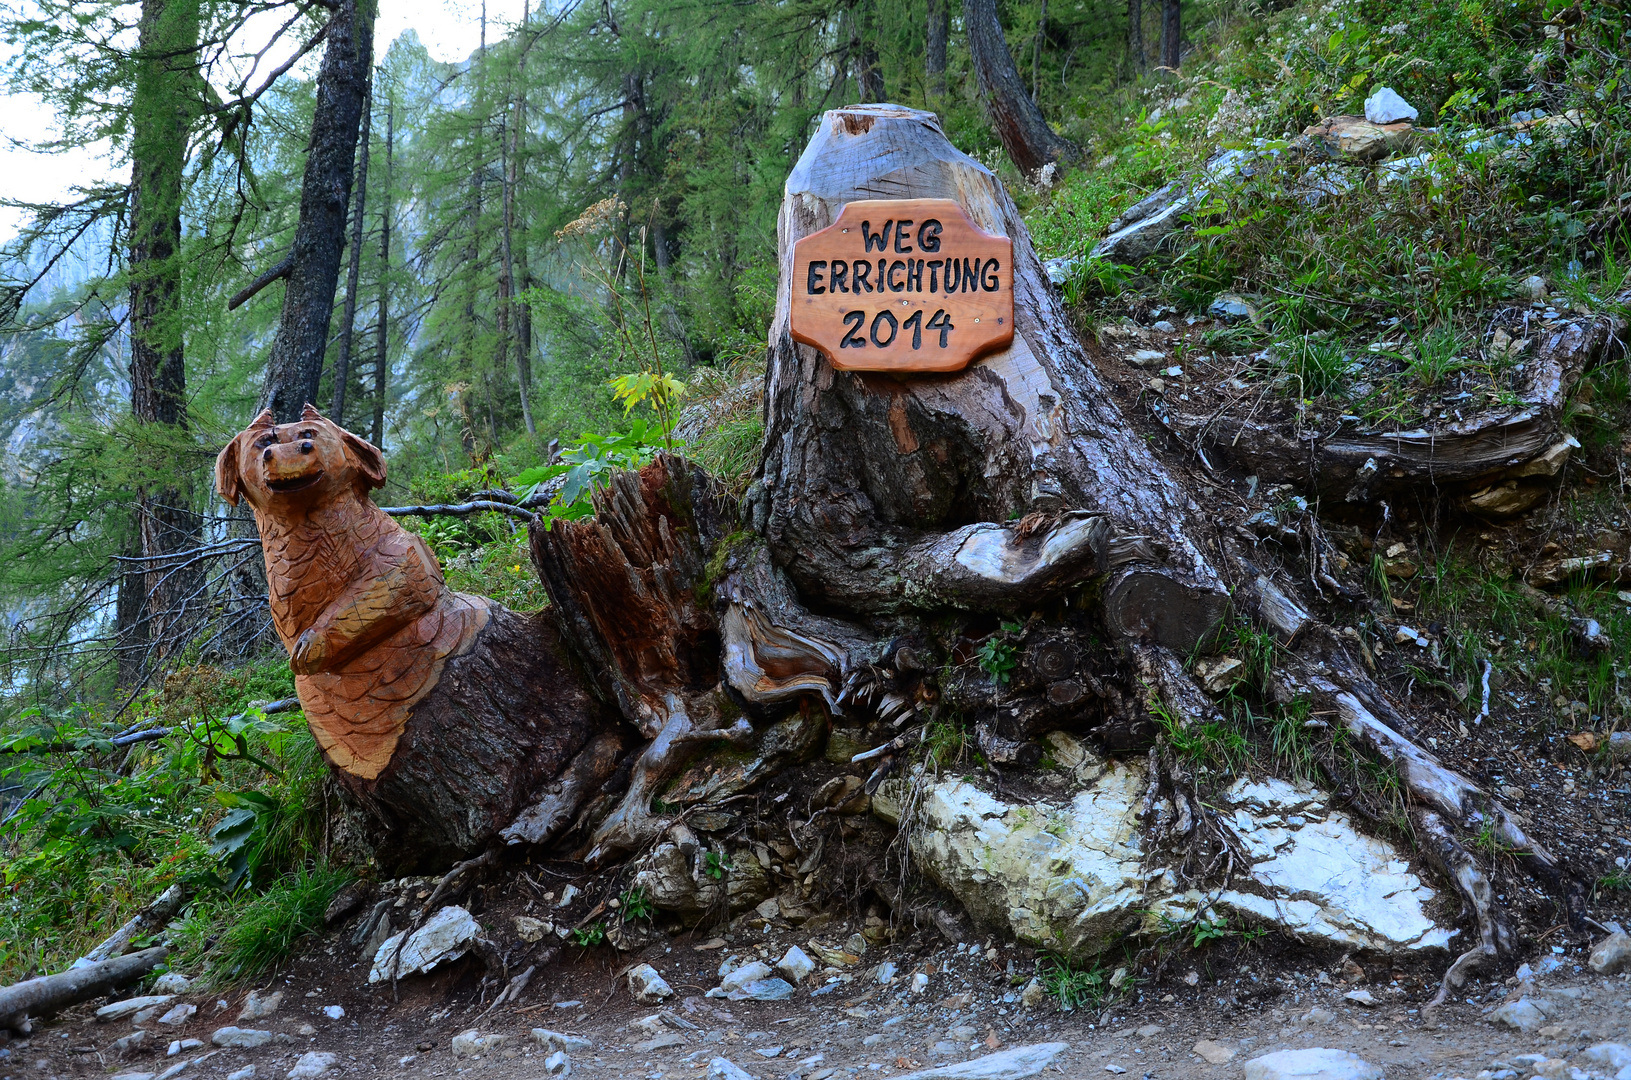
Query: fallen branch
<point x="154" y="915"/>
<point x="464" y="509"/>
<point x="132" y="738"/>
<point x="50" y="993"/>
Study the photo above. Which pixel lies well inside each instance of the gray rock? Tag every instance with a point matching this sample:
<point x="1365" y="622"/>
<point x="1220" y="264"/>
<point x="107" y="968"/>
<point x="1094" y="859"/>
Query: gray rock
<point x="1011" y="1064"/>
<point x="886" y="972"/>
<point x="648" y="986"/>
<point x="182" y="1045"/>
<point x="258" y="1006"/>
<point x="557" y="1040"/>
<point x="1613" y="1056"/>
<point x="1060" y="269"/>
<point x="240" y="1038"/>
<point x="1525" y="1014"/>
<point x="312" y="1064"/>
<point x="795" y="966"/>
<point x="132" y="1076"/>
<point x="1387" y="107"/>
<point x="1361" y="997"/>
<point x="1213" y="1053"/>
<point x="1533" y="287"/>
<point x="558" y="1064"/>
<point x="771" y="989"/>
<point x="661" y="1042"/>
<point x="1619" y="746"/>
<point x="131" y="1006"/>
<point x="178" y="1014"/>
<point x="1144" y="226"/>
<point x="742" y="974"/>
<point x="471" y="1042"/>
<point x="725" y="1069"/>
<point x="172" y="982"/>
<point x="175" y="1070"/>
<point x="445" y="936"/>
<point x="1612" y="955"/>
<point x="245" y="1073"/>
<point x="1315" y="1063"/>
<point x="1231" y="308"/>
<point x="127" y="1044"/>
<point x="1033" y="995"/>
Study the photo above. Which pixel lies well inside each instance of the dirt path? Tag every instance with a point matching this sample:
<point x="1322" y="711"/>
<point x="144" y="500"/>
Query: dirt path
<point x="846" y="1024"/>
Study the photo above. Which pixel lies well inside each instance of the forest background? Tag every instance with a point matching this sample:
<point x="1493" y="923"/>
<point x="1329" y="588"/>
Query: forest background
<point x="550" y="251"/>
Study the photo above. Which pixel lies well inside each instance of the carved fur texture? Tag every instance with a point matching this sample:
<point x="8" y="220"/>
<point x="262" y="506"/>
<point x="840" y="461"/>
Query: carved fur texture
<point x="359" y="601"/>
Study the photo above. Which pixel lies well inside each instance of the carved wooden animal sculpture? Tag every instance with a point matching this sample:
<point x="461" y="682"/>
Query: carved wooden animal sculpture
<point x="359" y="601"/>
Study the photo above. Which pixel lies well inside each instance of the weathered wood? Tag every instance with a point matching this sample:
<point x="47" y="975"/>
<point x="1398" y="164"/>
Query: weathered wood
<point x="49" y="993"/>
<point x="1020" y="125"/>
<point x="992" y="488"/>
<point x="154" y="915"/>
<point x="552" y="809"/>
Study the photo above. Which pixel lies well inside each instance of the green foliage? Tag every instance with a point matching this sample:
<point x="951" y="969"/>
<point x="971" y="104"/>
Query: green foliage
<point x="587" y="937"/>
<point x="635" y="904"/>
<point x="716" y="865"/>
<point x="998" y="656"/>
<point x="260" y="933"/>
<point x="1076" y="987"/>
<point x="584" y="469"/>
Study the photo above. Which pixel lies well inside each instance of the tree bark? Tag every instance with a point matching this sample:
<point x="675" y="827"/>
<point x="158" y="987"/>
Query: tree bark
<point x="382" y="312"/>
<point x="1171" y="35"/>
<point x="1020" y="125"/>
<point x="162" y="108"/>
<point x="348" y="317"/>
<point x="515" y="255"/>
<point x="989" y="489"/>
<point x="1135" y="33"/>
<point x="934" y="47"/>
<point x="295" y="366"/>
<point x="49" y="993"/>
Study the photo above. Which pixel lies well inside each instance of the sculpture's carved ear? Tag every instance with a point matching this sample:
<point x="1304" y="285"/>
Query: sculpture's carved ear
<point x="229" y="479"/>
<point x="310" y="413"/>
<point x="369" y="461"/>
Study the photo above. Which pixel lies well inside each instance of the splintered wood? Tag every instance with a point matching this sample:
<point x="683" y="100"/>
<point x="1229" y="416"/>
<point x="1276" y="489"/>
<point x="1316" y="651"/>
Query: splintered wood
<point x="903" y="285"/>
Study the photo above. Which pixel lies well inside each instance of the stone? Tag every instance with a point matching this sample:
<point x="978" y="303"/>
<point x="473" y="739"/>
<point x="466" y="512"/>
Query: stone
<point x="1361" y="997"/>
<point x="1612" y="955"/>
<point x="568" y="894"/>
<point x="1355" y="140"/>
<point x="258" y="1006"/>
<point x="648" y="986"/>
<point x="1525" y="1014"/>
<point x="558" y="1064"/>
<point x="334" y="1012"/>
<point x="125" y="1045"/>
<point x="1614" y="1056"/>
<point x="133" y="1076"/>
<point x="172" y="982"/>
<point x="1149" y="1031"/>
<point x="1146" y="357"/>
<point x="1144" y="226"/>
<point x="131" y="1006"/>
<point x="1213" y="1053"/>
<point x="178" y="1014"/>
<point x="305" y="1029"/>
<point x="1619" y="746"/>
<point x="1505" y="499"/>
<point x="885" y="972"/>
<point x="724" y="1069"/>
<point x="445" y="936"/>
<point x="531" y="930"/>
<point x="740" y="975"/>
<point x="471" y="1042"/>
<point x="1314" y="1063"/>
<point x="665" y="875"/>
<point x="1231" y="308"/>
<point x="1220" y="673"/>
<point x="313" y="1063"/>
<point x="660" y="1042"/>
<point x="771" y="989"/>
<point x="562" y="1041"/>
<point x="795" y="965"/>
<point x="181" y="1046"/>
<point x="1014" y="1063"/>
<point x="238" y="1038"/>
<point x="1533" y="287"/>
<point x="1386" y="107"/>
<point x="1033" y="995"/>
<point x="245" y="1073"/>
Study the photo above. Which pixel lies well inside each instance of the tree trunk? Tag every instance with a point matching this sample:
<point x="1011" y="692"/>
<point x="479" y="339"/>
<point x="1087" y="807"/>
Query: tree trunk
<point x="162" y="107"/>
<point x="382" y="314"/>
<point x="295" y="366"/>
<point x="49" y="993"/>
<point x="1135" y="33"/>
<point x="1171" y="36"/>
<point x="1036" y="53"/>
<point x="1024" y="132"/>
<point x="515" y="256"/>
<point x="348" y="318"/>
<point x="934" y="47"/>
<point x="989" y="489"/>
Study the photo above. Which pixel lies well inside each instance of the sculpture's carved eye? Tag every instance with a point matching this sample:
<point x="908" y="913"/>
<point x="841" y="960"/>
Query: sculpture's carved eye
<point x="266" y="440"/>
<point x="308" y="434"/>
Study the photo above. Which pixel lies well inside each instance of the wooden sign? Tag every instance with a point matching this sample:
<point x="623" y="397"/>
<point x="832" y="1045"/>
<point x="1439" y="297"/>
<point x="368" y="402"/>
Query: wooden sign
<point x="903" y="285"/>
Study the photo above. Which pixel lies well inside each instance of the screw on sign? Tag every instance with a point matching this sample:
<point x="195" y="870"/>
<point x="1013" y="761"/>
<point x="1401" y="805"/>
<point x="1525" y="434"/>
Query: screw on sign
<point x="903" y="285"/>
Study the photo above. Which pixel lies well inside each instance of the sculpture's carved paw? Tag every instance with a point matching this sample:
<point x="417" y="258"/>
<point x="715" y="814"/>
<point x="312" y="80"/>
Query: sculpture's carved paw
<point x="309" y="653"/>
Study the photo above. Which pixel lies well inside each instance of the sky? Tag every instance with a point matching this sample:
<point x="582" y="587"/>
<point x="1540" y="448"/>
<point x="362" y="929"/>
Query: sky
<point x="449" y="29"/>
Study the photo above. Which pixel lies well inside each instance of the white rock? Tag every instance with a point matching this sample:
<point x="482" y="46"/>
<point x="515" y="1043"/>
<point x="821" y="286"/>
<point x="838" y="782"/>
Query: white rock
<point x="648" y="986"/>
<point x="724" y="1069"/>
<point x="132" y="1076"/>
<point x="558" y="1064"/>
<point x="561" y="1041"/>
<point x="240" y="1038"/>
<point x="795" y="966"/>
<point x="1616" y="1056"/>
<point x="306" y="1029"/>
<point x="886" y="972"/>
<point x="1214" y="1053"/>
<point x="131" y="1006"/>
<point x="568" y="894"/>
<point x="1534" y="287"/>
<point x="172" y="982"/>
<point x="312" y="1064"/>
<point x="1011" y="1064"/>
<point x="178" y="1014"/>
<point x="743" y="974"/>
<point x="660" y="1042"/>
<point x="1361" y="997"/>
<point x="531" y="930"/>
<point x="471" y="1042"/>
<point x="258" y="1007"/>
<point x="920" y="983"/>
<point x="1612" y="955"/>
<point x="122" y="1046"/>
<point x="1387" y="107"/>
<point x="245" y="1073"/>
<point x="334" y="1012"/>
<point x="445" y="936"/>
<point x="1525" y="1014"/>
<point x="1315" y="1063"/>
<point x="1034" y="994"/>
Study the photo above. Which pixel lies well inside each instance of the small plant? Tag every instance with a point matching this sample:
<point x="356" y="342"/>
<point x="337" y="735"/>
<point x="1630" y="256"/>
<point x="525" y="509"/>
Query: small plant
<point x="587" y="937"/>
<point x="1074" y="987"/>
<point x="1206" y="931"/>
<point x="716" y="865"/>
<point x="1616" y="881"/>
<point x="998" y="657"/>
<point x="636" y="904"/>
